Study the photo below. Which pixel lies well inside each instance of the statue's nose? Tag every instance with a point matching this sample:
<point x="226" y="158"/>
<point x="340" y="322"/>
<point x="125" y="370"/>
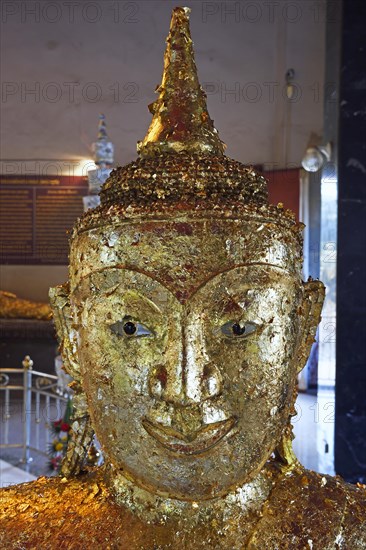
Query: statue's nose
<point x="187" y="375"/>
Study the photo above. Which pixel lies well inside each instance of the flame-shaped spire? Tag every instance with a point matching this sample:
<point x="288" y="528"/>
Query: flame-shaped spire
<point x="181" y="121"/>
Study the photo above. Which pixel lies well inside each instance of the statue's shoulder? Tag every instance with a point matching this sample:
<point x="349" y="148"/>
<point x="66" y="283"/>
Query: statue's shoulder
<point x="310" y="510"/>
<point x="55" y="512"/>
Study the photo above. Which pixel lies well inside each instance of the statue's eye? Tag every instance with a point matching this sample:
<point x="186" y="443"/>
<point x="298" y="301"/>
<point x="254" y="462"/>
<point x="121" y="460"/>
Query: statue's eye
<point x="234" y="329"/>
<point x="130" y="329"/>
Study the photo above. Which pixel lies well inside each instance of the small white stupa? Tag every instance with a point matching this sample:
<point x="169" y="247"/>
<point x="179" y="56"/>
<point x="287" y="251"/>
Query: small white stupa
<point x="103" y="157"/>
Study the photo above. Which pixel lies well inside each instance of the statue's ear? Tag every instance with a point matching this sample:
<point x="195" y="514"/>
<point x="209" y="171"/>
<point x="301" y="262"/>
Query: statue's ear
<point x="60" y="303"/>
<point x="310" y="315"/>
<point x="82" y="431"/>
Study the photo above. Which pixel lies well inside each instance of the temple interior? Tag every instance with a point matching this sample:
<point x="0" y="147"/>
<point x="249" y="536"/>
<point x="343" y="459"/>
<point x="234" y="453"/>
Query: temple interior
<point x="285" y="87"/>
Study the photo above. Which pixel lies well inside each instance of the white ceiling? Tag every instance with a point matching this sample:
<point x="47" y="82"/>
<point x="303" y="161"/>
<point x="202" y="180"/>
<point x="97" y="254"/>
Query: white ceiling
<point x="248" y="50"/>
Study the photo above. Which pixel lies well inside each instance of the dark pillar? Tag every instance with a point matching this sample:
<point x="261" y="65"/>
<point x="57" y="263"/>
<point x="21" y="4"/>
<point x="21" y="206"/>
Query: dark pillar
<point x="350" y="427"/>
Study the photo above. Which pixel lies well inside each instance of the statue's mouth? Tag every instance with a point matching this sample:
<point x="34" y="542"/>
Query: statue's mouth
<point x="195" y="442"/>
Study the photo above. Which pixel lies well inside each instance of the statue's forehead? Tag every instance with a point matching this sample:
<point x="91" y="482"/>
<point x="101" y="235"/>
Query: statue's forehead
<point x="183" y="256"/>
<point x="239" y="278"/>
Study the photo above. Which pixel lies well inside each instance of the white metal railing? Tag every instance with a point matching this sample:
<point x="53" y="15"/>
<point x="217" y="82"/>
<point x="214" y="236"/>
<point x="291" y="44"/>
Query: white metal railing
<point x="41" y="398"/>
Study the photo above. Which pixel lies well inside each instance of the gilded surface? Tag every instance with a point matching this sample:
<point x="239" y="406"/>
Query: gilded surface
<point x="184" y="324"/>
<point x="181" y="121"/>
<point x="12" y="307"/>
<point x="303" y="510"/>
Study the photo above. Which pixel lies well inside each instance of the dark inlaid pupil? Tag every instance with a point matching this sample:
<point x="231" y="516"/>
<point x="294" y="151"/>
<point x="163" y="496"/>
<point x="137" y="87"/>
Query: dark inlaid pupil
<point x="238" y="330"/>
<point x="129" y="328"/>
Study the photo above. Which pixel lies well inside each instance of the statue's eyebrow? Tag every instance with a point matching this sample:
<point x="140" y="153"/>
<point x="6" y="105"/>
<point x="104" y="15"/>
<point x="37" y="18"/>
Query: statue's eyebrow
<point x="145" y="301"/>
<point x="265" y="276"/>
<point x="133" y="295"/>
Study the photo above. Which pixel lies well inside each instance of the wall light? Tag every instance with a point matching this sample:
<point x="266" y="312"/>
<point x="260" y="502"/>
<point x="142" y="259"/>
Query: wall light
<point x="314" y="157"/>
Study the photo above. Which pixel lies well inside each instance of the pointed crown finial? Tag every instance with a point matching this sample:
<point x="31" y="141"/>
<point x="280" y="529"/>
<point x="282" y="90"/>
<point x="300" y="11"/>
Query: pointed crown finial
<point x="181" y="122"/>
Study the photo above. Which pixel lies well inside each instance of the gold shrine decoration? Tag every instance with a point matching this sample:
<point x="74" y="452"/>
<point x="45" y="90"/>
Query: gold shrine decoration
<point x="12" y="307"/>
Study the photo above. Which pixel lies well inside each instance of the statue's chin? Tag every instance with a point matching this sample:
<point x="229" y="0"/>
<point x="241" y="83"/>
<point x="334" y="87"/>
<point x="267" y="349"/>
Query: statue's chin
<point x="208" y="464"/>
<point x="187" y="489"/>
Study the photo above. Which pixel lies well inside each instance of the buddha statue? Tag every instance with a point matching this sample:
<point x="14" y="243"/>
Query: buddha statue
<point x="184" y="325"/>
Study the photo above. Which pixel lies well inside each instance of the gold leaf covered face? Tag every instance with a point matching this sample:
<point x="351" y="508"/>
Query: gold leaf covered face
<point x="187" y="320"/>
<point x="189" y="398"/>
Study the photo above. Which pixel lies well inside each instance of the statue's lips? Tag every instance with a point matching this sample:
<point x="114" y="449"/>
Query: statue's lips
<point x="194" y="443"/>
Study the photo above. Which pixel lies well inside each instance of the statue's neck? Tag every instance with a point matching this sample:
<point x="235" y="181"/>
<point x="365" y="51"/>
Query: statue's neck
<point x="245" y="501"/>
